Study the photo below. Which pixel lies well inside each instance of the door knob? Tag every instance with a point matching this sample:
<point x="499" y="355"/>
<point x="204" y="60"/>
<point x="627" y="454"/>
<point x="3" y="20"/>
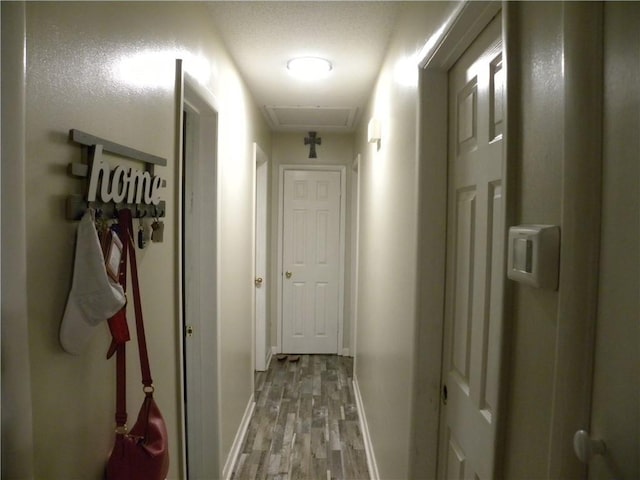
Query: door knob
<point x="258" y="281"/>
<point x="586" y="447"/>
<point x="288" y="274"/>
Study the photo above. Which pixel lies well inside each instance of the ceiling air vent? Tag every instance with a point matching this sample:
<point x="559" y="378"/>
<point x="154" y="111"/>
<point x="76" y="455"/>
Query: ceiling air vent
<point x="300" y="118"/>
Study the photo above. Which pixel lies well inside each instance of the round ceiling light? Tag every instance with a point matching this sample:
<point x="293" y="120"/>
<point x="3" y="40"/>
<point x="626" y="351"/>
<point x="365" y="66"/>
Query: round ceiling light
<point x="309" y="67"/>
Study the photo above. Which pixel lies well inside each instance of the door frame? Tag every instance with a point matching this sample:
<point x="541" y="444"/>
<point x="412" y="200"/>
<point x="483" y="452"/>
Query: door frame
<point x="262" y="354"/>
<point x="326" y="168"/>
<point x="194" y="97"/>
<point x="440" y="53"/>
<point x="17" y="389"/>
<point x="355" y="255"/>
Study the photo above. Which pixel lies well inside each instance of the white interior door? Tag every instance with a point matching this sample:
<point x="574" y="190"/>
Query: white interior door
<point x="191" y="285"/>
<point x="615" y="415"/>
<point x="261" y="287"/>
<point x="198" y="240"/>
<point x="474" y="284"/>
<point x="311" y="261"/>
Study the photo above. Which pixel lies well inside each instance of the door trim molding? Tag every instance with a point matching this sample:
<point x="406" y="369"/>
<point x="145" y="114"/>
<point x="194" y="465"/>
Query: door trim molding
<point x="581" y="215"/>
<point x="458" y="32"/>
<point x="260" y="166"/>
<point x="440" y="54"/>
<point x="355" y="257"/>
<point x="199" y="100"/>
<point x="343" y="175"/>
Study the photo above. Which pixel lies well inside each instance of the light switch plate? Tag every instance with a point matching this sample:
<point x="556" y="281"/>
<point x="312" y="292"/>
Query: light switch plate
<point x="534" y="255"/>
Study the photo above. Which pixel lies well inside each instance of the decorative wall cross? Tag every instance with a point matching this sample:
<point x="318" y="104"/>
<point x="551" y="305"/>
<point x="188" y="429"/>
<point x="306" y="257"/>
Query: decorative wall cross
<point x="312" y="141"/>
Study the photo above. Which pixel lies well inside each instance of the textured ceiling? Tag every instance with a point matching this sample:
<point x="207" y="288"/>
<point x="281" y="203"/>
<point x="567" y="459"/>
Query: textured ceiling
<point x="262" y="36"/>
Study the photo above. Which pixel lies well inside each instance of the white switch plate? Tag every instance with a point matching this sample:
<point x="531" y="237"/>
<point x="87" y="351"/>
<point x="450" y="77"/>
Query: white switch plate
<point x="534" y="255"/>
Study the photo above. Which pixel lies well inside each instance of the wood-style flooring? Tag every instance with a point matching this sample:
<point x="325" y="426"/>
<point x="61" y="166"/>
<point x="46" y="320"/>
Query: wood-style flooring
<point x="305" y="425"/>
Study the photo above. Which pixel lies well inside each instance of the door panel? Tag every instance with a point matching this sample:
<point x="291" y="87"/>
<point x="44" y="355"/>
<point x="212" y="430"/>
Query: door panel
<point x="455" y="459"/>
<point x="462" y="316"/>
<point x="311" y="261"/>
<point x="492" y="329"/>
<point x="474" y="290"/>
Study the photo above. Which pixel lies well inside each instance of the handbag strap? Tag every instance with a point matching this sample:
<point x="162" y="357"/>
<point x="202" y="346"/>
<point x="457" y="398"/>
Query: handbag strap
<point x="120" y="348"/>
<point x="147" y="381"/>
<point x="125" y="233"/>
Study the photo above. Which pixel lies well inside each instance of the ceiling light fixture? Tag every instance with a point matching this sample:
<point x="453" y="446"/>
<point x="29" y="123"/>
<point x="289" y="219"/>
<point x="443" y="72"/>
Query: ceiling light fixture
<point x="309" y="67"/>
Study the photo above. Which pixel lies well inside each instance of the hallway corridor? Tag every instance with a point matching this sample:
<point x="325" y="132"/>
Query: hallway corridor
<point x="305" y="424"/>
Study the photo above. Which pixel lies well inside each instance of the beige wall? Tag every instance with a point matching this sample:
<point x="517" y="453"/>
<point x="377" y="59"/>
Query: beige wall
<point x="289" y="149"/>
<point x="81" y="63"/>
<point x="386" y="327"/>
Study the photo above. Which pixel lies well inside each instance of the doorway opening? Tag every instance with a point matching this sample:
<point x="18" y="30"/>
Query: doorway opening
<point x="198" y="118"/>
<point x="444" y="337"/>
<point x="311" y="259"/>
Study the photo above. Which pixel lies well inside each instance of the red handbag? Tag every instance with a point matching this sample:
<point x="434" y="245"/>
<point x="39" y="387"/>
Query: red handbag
<point x="142" y="453"/>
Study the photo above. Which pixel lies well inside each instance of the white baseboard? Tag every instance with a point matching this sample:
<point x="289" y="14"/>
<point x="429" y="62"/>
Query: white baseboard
<point x="232" y="458"/>
<point x="275" y="349"/>
<point x="345" y="352"/>
<point x="269" y="360"/>
<point x="364" y="426"/>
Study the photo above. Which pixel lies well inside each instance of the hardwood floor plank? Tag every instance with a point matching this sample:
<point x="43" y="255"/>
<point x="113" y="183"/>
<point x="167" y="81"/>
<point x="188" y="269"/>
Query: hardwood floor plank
<point x="240" y="464"/>
<point x="274" y="464"/>
<point x="334" y="435"/>
<point x="304" y="414"/>
<point x="351" y="412"/>
<point x="318" y="443"/>
<point x="350" y="435"/>
<point x="318" y="468"/>
<point x="335" y="466"/>
<point x="355" y="464"/>
<point x="300" y="457"/>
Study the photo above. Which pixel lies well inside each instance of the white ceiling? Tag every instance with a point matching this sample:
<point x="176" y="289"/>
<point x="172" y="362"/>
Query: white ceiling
<point x="263" y="36"/>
